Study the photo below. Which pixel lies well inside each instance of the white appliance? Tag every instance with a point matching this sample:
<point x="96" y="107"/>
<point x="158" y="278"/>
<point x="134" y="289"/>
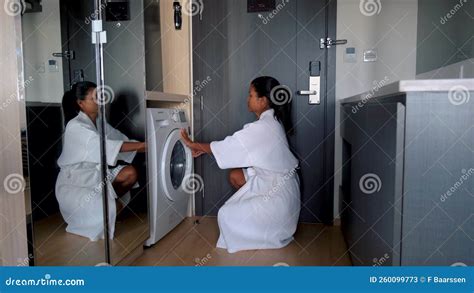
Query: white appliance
<point x="169" y="166"/>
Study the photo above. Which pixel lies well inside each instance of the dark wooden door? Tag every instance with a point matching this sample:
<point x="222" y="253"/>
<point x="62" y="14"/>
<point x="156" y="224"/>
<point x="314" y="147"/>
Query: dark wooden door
<point x="76" y="19"/>
<point x="230" y="48"/>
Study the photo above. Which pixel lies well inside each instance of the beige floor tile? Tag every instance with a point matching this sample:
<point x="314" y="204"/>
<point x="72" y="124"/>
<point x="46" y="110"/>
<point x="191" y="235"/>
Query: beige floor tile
<point x="192" y="244"/>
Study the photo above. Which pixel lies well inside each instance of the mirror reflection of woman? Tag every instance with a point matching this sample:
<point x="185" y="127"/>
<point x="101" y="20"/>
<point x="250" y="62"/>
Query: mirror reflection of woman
<point x="79" y="186"/>
<point x="264" y="211"/>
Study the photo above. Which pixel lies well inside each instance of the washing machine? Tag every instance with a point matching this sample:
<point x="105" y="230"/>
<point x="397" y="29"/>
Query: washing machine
<point x="169" y="166"/>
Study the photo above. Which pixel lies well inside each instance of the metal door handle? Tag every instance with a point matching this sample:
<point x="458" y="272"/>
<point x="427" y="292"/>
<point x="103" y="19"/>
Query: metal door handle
<point x="70" y="55"/>
<point x="313" y="92"/>
<point x="325" y="43"/>
<point x="307" y="93"/>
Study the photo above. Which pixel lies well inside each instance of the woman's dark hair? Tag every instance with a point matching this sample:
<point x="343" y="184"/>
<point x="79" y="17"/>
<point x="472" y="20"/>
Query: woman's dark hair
<point x="79" y="91"/>
<point x="279" y="99"/>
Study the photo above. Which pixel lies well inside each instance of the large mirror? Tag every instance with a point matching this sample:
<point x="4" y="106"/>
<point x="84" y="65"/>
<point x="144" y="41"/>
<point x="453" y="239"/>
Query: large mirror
<point x="64" y="198"/>
<point x="124" y="72"/>
<point x="57" y="53"/>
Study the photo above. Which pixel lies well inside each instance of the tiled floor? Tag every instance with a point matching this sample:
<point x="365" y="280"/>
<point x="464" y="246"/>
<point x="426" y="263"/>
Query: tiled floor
<point x="192" y="244"/>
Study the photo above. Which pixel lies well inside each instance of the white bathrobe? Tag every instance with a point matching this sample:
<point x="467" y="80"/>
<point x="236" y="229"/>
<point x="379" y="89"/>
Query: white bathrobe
<point x="264" y="212"/>
<point x="79" y="184"/>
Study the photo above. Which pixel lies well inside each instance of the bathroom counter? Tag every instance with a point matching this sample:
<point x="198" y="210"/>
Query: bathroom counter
<point x="405" y="86"/>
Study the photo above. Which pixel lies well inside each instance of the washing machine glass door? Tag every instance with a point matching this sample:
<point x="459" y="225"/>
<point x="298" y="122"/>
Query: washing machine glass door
<point x="175" y="166"/>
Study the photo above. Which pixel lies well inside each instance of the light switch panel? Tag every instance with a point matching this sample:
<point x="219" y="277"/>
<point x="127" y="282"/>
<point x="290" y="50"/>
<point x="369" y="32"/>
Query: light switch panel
<point x="370" y="56"/>
<point x="53" y="66"/>
<point x="350" y="55"/>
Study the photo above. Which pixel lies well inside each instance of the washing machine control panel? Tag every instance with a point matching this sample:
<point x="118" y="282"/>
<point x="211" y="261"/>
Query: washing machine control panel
<point x="182" y="116"/>
<point x="179" y="117"/>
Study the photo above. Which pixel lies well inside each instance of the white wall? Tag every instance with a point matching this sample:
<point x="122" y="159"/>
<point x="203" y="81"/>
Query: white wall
<point x="392" y="33"/>
<point x="41" y="38"/>
<point x="462" y="69"/>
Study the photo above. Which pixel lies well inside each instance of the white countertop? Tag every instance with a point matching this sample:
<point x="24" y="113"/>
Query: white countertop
<point x="419" y="85"/>
<point x="166" y="97"/>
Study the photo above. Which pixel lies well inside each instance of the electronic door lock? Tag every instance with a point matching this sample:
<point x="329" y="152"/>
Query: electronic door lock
<point x="314" y="84"/>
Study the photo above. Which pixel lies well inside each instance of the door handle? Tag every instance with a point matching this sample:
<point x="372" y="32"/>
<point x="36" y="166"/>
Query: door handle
<point x="313" y="92"/>
<point x="325" y="43"/>
<point x="307" y="93"/>
<point x="70" y="55"/>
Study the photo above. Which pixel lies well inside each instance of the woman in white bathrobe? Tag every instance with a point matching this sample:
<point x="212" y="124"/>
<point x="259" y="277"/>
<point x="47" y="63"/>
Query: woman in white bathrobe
<point x="264" y="212"/>
<point x="79" y="184"/>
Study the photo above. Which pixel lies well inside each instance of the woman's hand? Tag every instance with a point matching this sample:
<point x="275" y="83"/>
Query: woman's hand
<point x="197" y="153"/>
<point x="197" y="148"/>
<point x="142" y="148"/>
<point x="187" y="141"/>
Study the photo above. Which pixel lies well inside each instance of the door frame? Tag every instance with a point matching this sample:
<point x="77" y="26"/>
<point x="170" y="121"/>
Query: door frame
<point x="12" y="202"/>
<point x="330" y="112"/>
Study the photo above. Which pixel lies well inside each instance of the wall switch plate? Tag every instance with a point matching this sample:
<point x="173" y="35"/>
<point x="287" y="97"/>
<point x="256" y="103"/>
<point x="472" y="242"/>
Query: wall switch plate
<point x="350" y="55"/>
<point x="370" y="56"/>
<point x="53" y="66"/>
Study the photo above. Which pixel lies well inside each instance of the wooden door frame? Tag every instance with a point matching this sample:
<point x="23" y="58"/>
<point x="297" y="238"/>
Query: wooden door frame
<point x="330" y="113"/>
<point x="14" y="249"/>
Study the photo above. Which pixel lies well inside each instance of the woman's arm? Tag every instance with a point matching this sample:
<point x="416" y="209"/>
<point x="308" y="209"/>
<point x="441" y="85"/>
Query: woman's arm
<point x="139" y="147"/>
<point x="196" y="147"/>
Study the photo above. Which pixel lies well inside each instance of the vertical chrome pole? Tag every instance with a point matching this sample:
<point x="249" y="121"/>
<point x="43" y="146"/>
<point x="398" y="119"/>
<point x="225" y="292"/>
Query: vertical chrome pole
<point x="100" y="39"/>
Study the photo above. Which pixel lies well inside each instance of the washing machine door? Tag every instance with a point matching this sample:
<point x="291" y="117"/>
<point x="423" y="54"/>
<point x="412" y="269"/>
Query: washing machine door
<point x="176" y="166"/>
